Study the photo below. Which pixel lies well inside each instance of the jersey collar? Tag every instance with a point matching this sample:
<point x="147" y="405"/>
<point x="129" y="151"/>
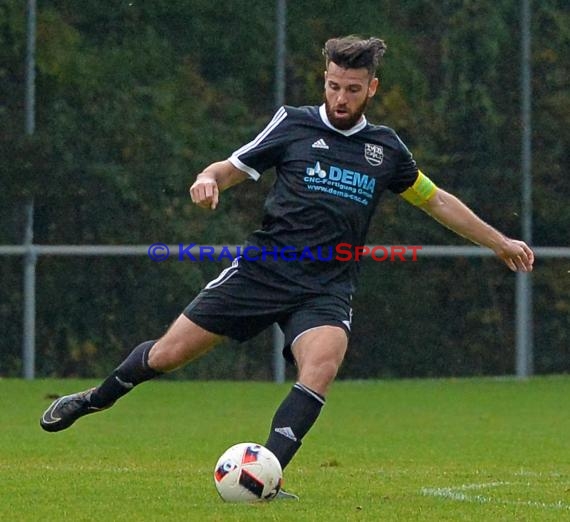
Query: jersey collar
<point x="349" y="132"/>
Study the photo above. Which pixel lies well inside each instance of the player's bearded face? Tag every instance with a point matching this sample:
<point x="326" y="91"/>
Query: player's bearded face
<point x="347" y="92"/>
<point x="342" y="117"/>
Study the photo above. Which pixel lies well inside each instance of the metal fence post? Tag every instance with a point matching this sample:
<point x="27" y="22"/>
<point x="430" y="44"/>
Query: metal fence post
<point x="29" y="318"/>
<point x="30" y="258"/>
<point x="278" y="361"/>
<point x="280" y="48"/>
<point x="524" y="316"/>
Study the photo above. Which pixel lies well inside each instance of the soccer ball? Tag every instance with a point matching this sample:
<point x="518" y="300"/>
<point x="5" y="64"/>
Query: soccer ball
<point x="248" y="472"/>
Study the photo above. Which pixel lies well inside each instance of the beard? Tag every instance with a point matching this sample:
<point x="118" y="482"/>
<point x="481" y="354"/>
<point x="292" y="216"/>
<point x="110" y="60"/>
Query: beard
<point x="350" y="120"/>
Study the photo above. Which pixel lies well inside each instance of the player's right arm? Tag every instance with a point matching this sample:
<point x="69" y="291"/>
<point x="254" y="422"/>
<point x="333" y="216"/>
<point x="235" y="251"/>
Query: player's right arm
<point x="213" y="180"/>
<point x="249" y="161"/>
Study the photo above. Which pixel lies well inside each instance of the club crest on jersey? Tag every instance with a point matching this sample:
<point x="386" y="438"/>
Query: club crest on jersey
<point x="374" y="154"/>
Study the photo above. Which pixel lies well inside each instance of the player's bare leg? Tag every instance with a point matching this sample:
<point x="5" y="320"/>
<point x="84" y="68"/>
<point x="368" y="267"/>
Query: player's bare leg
<point x="183" y="342"/>
<point x="319" y="352"/>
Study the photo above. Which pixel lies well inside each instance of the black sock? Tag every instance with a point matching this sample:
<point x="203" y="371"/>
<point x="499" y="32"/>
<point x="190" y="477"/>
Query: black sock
<point x="132" y="371"/>
<point x="293" y="419"/>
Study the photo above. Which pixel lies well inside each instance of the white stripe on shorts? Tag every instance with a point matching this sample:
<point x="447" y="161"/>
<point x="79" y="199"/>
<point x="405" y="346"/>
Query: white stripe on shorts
<point x="224" y="275"/>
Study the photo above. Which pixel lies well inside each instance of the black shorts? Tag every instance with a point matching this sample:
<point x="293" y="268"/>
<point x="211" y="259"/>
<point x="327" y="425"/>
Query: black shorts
<point x="238" y="306"/>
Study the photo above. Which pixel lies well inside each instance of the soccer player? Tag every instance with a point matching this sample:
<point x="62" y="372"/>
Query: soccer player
<point x="332" y="166"/>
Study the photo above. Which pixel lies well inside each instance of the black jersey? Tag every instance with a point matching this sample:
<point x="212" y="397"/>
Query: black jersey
<point x="328" y="184"/>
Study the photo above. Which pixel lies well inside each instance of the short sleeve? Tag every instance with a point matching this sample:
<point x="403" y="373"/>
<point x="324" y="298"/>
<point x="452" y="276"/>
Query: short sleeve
<point x="406" y="170"/>
<point x="266" y="149"/>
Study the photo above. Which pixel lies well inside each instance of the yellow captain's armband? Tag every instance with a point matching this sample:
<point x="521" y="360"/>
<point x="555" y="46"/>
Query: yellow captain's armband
<point x="421" y="191"/>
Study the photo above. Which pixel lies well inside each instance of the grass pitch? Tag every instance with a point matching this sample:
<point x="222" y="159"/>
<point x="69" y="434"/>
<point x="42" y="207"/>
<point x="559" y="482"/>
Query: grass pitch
<point x="426" y="450"/>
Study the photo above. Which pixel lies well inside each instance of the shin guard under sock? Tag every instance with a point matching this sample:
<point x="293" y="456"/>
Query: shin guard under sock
<point x="293" y="419"/>
<point x="132" y="371"/>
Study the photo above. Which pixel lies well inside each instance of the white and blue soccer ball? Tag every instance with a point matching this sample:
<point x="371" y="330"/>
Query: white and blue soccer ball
<point x="248" y="472"/>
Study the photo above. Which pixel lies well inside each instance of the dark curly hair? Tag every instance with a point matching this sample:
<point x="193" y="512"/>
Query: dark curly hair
<point x="352" y="52"/>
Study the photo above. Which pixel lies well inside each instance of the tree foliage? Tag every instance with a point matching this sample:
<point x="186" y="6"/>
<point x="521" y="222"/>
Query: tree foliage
<point x="135" y="98"/>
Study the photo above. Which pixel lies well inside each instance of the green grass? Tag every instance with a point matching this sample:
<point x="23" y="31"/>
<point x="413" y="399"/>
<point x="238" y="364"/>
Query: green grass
<point x="426" y="450"/>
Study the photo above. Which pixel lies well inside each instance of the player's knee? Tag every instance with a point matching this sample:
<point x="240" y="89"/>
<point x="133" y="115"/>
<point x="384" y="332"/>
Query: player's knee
<point x="319" y="376"/>
<point x="329" y="371"/>
<point x="167" y="355"/>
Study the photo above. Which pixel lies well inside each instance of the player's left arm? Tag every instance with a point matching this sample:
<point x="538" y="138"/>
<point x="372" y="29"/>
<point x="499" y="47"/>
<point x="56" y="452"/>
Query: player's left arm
<point x="451" y="212"/>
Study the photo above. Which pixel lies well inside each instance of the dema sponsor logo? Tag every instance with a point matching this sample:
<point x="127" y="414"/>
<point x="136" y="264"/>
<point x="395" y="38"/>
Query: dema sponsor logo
<point x="317" y="171"/>
<point x="340" y="182"/>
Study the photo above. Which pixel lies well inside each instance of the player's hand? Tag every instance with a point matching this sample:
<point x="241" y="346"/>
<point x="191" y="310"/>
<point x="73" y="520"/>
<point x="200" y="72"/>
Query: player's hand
<point x="516" y="254"/>
<point x="204" y="192"/>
